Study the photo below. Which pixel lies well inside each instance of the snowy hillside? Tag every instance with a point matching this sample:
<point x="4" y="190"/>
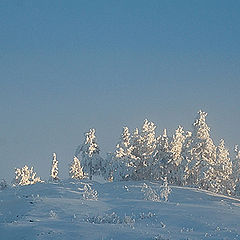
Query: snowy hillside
<point x="115" y="210"/>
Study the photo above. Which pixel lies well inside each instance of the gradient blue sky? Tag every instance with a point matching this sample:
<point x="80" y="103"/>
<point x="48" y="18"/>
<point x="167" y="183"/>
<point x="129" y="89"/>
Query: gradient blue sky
<point x="67" y="66"/>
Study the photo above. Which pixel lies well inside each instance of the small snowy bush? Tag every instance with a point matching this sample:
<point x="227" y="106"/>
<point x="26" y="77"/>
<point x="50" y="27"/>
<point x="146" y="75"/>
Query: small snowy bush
<point x="25" y="176"/>
<point x="129" y="220"/>
<point x="89" y="193"/>
<point x="149" y="193"/>
<point x="76" y="171"/>
<point x="52" y="214"/>
<point x="111" y="218"/>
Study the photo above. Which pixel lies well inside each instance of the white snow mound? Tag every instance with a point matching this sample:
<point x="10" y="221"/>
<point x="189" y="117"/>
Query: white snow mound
<point x="115" y="210"/>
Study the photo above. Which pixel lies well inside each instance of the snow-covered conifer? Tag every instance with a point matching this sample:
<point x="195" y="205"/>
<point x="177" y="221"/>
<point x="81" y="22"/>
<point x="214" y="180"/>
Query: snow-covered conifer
<point x="54" y="168"/>
<point x="25" y="176"/>
<point x="120" y="165"/>
<point x="165" y="191"/>
<point x="201" y="153"/>
<point x="175" y="168"/>
<point x="89" y="193"/>
<point x="224" y="169"/>
<point x="162" y="157"/>
<point x="117" y="167"/>
<point x="123" y="148"/>
<point x="183" y="174"/>
<point x="144" y="145"/>
<point x="176" y="145"/>
<point x="236" y="170"/>
<point x="91" y="161"/>
<point x="148" y="139"/>
<point x="136" y="144"/>
<point x="149" y="193"/>
<point x="76" y="171"/>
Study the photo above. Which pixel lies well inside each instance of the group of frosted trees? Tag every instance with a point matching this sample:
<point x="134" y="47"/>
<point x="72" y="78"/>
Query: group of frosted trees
<point x="186" y="158"/>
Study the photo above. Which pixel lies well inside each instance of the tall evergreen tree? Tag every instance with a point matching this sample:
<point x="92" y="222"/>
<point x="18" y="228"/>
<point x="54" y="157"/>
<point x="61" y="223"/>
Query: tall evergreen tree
<point x="76" y="171"/>
<point x="123" y="161"/>
<point x="144" y="144"/>
<point x="224" y="169"/>
<point x="175" y="168"/>
<point x="92" y="163"/>
<point x="201" y="153"/>
<point x="236" y="170"/>
<point x="124" y="148"/>
<point x="183" y="174"/>
<point x="162" y="156"/>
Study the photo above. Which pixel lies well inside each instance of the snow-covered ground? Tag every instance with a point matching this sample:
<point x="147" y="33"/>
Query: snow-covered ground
<point x="120" y="210"/>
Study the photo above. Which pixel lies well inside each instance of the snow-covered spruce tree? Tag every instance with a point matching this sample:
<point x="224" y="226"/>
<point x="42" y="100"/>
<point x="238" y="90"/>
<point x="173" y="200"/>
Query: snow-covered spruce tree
<point x="201" y="153"/>
<point x="149" y="193"/>
<point x="109" y="167"/>
<point x="162" y="156"/>
<point x="54" y="168"/>
<point x="123" y="147"/>
<point x="165" y="191"/>
<point x="136" y="144"/>
<point x="121" y="163"/>
<point x="92" y="163"/>
<point x="183" y="173"/>
<point x="25" y="176"/>
<point x="224" y="170"/>
<point x="144" y="145"/>
<point x="76" y="171"/>
<point x="236" y="170"/>
<point x="89" y="193"/>
<point x="219" y="173"/>
<point x="175" y="168"/>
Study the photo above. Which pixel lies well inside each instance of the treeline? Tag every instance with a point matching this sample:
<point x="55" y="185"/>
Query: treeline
<point x="187" y="158"/>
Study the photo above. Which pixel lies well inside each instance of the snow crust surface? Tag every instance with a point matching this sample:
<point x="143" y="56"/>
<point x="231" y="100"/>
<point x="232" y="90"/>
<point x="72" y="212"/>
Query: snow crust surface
<point x="116" y="210"/>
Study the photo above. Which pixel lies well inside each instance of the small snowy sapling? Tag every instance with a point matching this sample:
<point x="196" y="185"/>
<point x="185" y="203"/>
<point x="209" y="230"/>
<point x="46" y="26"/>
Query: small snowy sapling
<point x="25" y="176"/>
<point x="54" y="169"/>
<point x="165" y="191"/>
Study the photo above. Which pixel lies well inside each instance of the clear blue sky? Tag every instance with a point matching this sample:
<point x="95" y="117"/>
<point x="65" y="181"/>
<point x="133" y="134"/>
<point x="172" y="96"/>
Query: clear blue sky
<point x="67" y="66"/>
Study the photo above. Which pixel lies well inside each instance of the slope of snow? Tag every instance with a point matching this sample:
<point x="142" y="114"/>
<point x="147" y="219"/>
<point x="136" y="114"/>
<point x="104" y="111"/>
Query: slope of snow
<point x="121" y="211"/>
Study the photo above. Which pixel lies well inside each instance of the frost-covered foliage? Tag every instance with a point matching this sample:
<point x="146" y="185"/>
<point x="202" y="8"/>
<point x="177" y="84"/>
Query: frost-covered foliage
<point x="144" y="144"/>
<point x="112" y="218"/>
<point x="3" y="184"/>
<point x="186" y="158"/>
<point x="25" y="176"/>
<point x="223" y="168"/>
<point x="149" y="193"/>
<point x="52" y="214"/>
<point x="117" y="168"/>
<point x="162" y="157"/>
<point x="175" y="167"/>
<point x="54" y="169"/>
<point x="121" y="164"/>
<point x="76" y="171"/>
<point x="123" y="148"/>
<point x="236" y="170"/>
<point x="165" y="191"/>
<point x="89" y="151"/>
<point x="89" y="193"/>
<point x="201" y="153"/>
